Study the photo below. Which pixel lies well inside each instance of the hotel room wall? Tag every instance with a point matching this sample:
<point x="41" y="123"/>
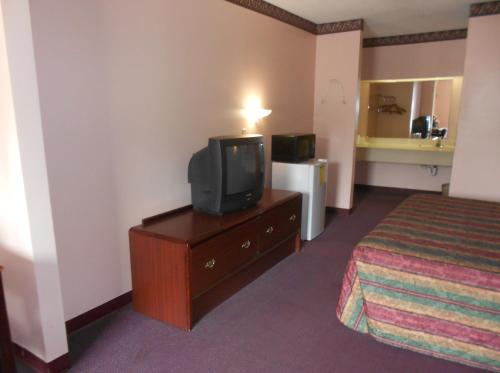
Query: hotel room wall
<point x="364" y="117"/>
<point x="337" y="89"/>
<point x="27" y="246"/>
<point x="128" y="93"/>
<point x="442" y="106"/>
<point x="456" y="97"/>
<point x="427" y="98"/>
<point x="475" y="164"/>
<point x="396" y="175"/>
<point x="423" y="60"/>
<point x="416" y="101"/>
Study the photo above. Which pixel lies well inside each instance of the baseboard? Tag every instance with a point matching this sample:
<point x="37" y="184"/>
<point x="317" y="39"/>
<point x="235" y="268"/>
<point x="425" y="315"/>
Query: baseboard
<point x="338" y="211"/>
<point x="38" y="365"/>
<point x="393" y="190"/>
<point x="63" y="362"/>
<point x="376" y="189"/>
<point x="96" y="313"/>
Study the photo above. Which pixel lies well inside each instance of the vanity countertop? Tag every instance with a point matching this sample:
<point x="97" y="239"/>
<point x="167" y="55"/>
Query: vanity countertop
<point x="409" y="151"/>
<point x="447" y="146"/>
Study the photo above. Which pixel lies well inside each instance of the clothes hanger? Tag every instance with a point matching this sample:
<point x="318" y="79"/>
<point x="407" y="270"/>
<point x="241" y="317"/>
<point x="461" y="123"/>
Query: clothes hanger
<point x="390" y="105"/>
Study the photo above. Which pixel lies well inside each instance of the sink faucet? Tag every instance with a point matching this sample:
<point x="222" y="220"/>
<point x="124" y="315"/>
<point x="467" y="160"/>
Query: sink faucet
<point x="438" y="142"/>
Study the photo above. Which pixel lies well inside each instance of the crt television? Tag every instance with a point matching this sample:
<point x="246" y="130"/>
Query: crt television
<point x="422" y="125"/>
<point x="227" y="175"/>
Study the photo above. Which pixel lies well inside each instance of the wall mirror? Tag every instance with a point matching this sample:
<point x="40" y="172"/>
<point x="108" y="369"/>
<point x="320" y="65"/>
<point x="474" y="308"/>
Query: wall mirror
<point x="419" y="108"/>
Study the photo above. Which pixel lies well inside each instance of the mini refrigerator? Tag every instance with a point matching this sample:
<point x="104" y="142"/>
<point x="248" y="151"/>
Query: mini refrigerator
<point x="308" y="178"/>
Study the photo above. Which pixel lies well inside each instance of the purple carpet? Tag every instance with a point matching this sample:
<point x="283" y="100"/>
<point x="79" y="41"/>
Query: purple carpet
<point x="283" y="322"/>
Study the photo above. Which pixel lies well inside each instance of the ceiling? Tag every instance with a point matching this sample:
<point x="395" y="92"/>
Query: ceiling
<point x="385" y="17"/>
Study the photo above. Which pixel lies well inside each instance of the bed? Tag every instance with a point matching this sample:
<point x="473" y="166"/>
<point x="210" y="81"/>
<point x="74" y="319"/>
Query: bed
<point x="427" y="278"/>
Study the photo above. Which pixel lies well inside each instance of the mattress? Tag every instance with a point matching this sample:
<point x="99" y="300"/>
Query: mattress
<point x="427" y="278"/>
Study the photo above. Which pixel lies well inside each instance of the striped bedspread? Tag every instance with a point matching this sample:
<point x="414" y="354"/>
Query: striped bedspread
<point x="428" y="279"/>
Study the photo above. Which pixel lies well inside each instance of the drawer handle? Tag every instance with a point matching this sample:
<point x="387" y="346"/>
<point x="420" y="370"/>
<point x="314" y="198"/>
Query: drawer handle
<point x="246" y="244"/>
<point x="210" y="264"/>
<point x="293" y="217"/>
<point x="270" y="230"/>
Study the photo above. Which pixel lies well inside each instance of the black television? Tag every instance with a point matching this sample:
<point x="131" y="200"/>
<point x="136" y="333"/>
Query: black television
<point x="422" y="125"/>
<point x="228" y="174"/>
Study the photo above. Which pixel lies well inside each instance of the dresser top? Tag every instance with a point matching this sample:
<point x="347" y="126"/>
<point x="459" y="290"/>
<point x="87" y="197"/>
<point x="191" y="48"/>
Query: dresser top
<point x="188" y="226"/>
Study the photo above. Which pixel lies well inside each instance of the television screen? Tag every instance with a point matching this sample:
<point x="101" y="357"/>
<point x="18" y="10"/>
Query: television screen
<point x="241" y="165"/>
<point x="422" y="126"/>
<point x="228" y="174"/>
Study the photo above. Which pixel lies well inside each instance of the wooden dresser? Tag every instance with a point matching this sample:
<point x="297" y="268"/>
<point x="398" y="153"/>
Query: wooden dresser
<point x="185" y="262"/>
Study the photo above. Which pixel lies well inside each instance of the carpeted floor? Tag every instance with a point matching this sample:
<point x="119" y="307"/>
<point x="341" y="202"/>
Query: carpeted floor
<point x="283" y="322"/>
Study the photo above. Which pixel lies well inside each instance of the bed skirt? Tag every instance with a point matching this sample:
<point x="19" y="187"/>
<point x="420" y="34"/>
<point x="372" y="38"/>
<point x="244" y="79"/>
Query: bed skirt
<point x="427" y="279"/>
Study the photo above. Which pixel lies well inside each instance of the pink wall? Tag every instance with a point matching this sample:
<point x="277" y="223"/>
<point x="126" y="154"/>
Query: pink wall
<point x="442" y="105"/>
<point x="365" y="114"/>
<point x="427" y="97"/>
<point x="397" y="175"/>
<point x="423" y="60"/>
<point x="336" y="110"/>
<point x="475" y="164"/>
<point x="456" y="98"/>
<point x="128" y="93"/>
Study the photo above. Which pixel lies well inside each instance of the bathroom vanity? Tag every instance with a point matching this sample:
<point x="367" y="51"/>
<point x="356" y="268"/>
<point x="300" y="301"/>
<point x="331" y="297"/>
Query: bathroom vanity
<point x="409" y="121"/>
<point x="410" y="151"/>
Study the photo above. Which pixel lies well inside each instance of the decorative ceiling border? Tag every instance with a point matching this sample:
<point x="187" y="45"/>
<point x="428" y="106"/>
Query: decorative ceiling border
<point x="268" y="9"/>
<point x="485" y="9"/>
<point x="415" y="38"/>
<point x="263" y="7"/>
<point x="278" y="13"/>
<point x="334" y="27"/>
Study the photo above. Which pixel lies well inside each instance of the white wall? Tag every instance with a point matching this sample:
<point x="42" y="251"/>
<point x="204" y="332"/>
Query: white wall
<point x="128" y="92"/>
<point x="27" y="245"/>
<point x="476" y="172"/>
<point x="337" y="89"/>
<point x="416" y="100"/>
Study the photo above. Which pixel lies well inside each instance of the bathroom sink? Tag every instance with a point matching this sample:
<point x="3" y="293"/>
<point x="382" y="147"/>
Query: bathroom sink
<point x="435" y="147"/>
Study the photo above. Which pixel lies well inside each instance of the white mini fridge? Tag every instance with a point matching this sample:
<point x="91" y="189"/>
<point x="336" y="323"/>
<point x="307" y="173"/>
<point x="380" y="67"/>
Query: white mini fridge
<point x="308" y="178"/>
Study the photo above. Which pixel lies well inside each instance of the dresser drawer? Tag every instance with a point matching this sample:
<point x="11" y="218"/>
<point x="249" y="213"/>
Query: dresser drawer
<point x="280" y="222"/>
<point x="221" y="255"/>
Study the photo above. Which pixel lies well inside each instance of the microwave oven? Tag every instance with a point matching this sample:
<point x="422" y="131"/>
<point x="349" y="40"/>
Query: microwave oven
<point x="293" y="147"/>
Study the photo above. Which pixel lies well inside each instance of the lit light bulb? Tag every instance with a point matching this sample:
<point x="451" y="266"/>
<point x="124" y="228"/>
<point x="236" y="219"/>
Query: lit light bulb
<point x="254" y="112"/>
